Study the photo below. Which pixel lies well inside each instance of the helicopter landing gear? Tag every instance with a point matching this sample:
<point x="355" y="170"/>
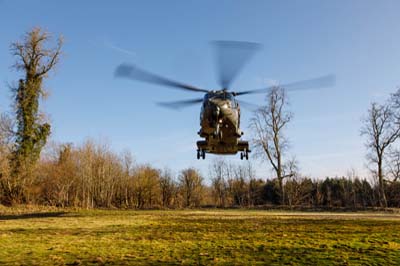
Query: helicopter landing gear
<point x="244" y="154"/>
<point x="201" y="154"/>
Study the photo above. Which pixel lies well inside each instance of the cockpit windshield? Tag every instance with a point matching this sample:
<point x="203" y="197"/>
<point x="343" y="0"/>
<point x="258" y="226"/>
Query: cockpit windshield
<point x="221" y="95"/>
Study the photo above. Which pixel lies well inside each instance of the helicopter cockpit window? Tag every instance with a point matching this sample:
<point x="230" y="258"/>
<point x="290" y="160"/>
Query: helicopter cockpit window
<point x="229" y="96"/>
<point x="224" y="96"/>
<point x="231" y="99"/>
<point x="219" y="96"/>
<point x="235" y="103"/>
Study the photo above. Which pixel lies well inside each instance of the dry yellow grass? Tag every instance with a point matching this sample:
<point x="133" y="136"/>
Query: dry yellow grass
<point x="42" y="236"/>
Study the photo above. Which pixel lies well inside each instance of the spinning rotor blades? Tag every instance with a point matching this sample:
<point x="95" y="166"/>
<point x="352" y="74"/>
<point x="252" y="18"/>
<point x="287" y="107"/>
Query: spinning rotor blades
<point x="180" y="104"/>
<point x="230" y="57"/>
<point x="132" y="72"/>
<point x="321" y="82"/>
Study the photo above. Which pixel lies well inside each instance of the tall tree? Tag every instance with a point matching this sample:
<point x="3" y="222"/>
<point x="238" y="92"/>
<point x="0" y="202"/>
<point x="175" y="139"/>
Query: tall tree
<point x="34" y="60"/>
<point x="268" y="125"/>
<point x="381" y="129"/>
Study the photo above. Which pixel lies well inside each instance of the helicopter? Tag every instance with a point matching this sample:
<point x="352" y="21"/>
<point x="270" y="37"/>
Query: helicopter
<point x="220" y="110"/>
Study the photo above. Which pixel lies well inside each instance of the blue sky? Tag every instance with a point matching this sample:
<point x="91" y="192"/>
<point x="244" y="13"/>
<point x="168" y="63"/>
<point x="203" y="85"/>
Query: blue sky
<point x="356" y="40"/>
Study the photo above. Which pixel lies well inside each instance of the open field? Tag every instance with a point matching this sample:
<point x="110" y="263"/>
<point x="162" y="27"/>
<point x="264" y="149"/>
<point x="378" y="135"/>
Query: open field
<point x="223" y="237"/>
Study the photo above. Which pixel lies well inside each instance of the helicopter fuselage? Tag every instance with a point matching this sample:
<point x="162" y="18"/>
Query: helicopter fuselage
<point x="220" y="124"/>
<point x="220" y="111"/>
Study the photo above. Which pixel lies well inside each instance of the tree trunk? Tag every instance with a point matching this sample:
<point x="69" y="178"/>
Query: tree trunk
<point x="382" y="196"/>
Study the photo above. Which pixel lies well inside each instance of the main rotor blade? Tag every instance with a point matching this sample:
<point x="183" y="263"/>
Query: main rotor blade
<point x="132" y="72"/>
<point x="321" y="82"/>
<point x="248" y="106"/>
<point x="230" y="57"/>
<point x="180" y="104"/>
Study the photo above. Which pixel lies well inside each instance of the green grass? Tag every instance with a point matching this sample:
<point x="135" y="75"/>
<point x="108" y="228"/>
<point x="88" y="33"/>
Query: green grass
<point x="222" y="237"/>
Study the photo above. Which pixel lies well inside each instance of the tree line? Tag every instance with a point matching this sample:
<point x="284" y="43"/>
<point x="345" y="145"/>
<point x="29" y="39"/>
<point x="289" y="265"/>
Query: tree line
<point x="91" y="175"/>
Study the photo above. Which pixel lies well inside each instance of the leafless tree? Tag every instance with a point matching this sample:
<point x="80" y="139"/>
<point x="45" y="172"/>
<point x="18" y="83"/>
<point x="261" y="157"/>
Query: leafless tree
<point x="381" y="130"/>
<point x="393" y="165"/>
<point x="393" y="160"/>
<point x="6" y="145"/>
<point x="147" y="187"/>
<point x="299" y="190"/>
<point x="168" y="188"/>
<point x="218" y="172"/>
<point x="191" y="185"/>
<point x="7" y="133"/>
<point x="268" y="125"/>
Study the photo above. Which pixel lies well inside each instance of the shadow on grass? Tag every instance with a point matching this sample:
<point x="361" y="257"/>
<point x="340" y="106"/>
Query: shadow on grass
<point x="32" y="215"/>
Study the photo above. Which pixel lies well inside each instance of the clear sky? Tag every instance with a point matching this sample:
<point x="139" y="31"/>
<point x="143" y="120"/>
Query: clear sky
<point x="356" y="40"/>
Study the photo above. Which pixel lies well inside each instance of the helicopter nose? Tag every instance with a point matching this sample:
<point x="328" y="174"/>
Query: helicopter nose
<point x="214" y="105"/>
<point x="217" y="110"/>
<point x="224" y="106"/>
<point x="219" y="104"/>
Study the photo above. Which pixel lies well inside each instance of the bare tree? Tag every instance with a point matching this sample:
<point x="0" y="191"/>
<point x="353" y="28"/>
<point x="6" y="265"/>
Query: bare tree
<point x="381" y="129"/>
<point x="268" y="125"/>
<point x="393" y="165"/>
<point x="218" y="181"/>
<point x="6" y="145"/>
<point x="6" y="130"/>
<point x="298" y="190"/>
<point x="146" y="187"/>
<point x="191" y="185"/>
<point x="393" y="160"/>
<point x="168" y="188"/>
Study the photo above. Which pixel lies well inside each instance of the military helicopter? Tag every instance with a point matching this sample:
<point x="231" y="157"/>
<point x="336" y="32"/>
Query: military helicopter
<point x="220" y="110"/>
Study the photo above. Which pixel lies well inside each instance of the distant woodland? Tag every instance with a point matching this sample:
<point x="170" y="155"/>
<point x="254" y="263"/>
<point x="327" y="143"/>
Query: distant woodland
<point x="91" y="175"/>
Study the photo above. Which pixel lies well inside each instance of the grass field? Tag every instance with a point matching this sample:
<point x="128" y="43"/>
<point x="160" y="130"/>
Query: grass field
<point x="223" y="237"/>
